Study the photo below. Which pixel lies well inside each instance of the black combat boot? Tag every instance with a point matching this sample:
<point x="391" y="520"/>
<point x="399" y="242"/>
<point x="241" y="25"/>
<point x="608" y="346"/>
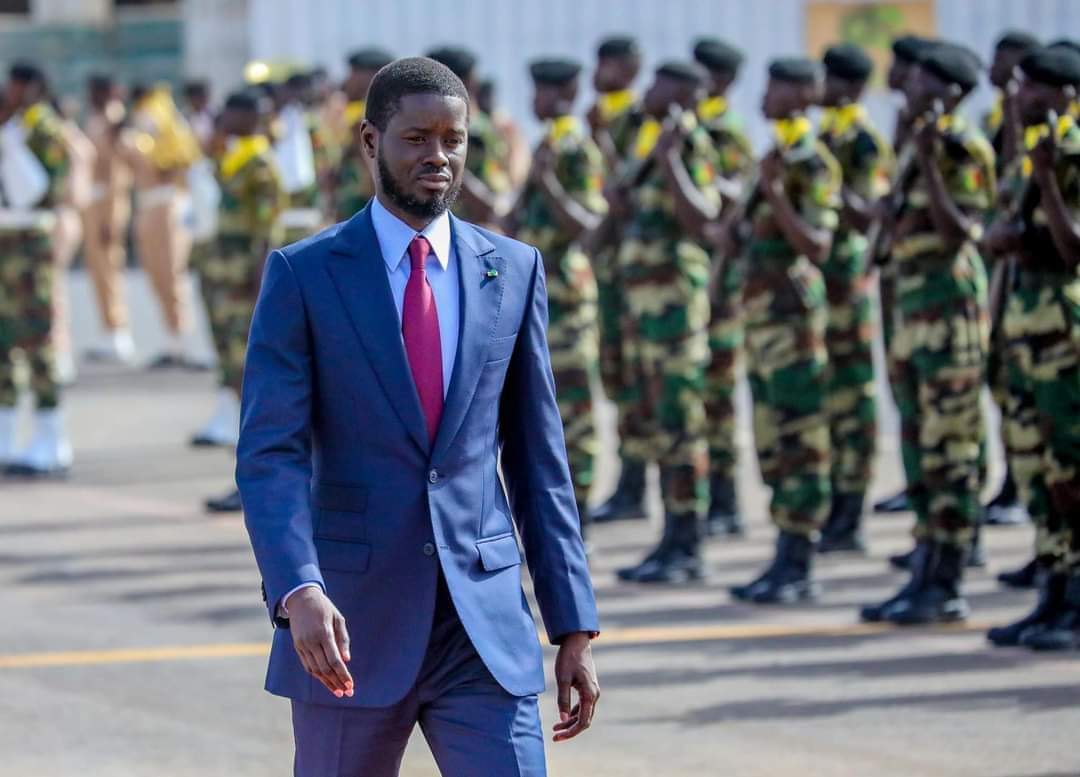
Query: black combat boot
<point x="1063" y="631"/>
<point x="897" y="503"/>
<point x="902" y="561"/>
<point x="788" y="578"/>
<point x="677" y="559"/>
<point x="1050" y="605"/>
<point x="628" y="500"/>
<point x="1005" y="509"/>
<point x="227" y="503"/>
<point x="876" y="613"/>
<point x="937" y="598"/>
<point x="843" y="531"/>
<point x="1022" y="578"/>
<point x="724" y="519"/>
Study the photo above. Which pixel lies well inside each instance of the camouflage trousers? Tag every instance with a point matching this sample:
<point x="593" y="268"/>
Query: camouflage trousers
<point x="939" y="347"/>
<point x="726" y="338"/>
<point x="849" y="339"/>
<point x="610" y="309"/>
<point x="787" y="366"/>
<point x="573" y="342"/>
<point x="665" y="350"/>
<point x="230" y="283"/>
<point x="26" y="315"/>
<point x="1042" y="411"/>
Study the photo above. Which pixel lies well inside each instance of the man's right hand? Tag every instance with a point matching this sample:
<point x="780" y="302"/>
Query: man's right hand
<point x="320" y="638"/>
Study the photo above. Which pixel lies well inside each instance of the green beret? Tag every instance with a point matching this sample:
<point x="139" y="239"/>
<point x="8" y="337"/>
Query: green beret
<point x="246" y="100"/>
<point x="953" y="64"/>
<point x="1066" y="43"/>
<point x="1052" y="66"/>
<point x="618" y="46"/>
<point x="846" y="60"/>
<point x="717" y="55"/>
<point x="370" y="59"/>
<point x="684" y="72"/>
<point x="554" y="71"/>
<point x="907" y="48"/>
<point x="461" y="61"/>
<point x="795" y="70"/>
<point x="1017" y="40"/>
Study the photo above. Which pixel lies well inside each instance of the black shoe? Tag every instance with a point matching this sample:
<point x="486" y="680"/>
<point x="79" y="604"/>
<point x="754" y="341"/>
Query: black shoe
<point x="1005" y="509"/>
<point x="877" y="613"/>
<point x="1022" y="578"/>
<point x="897" y="503"/>
<point x="1062" y="632"/>
<point x="936" y="597"/>
<point x="788" y="578"/>
<point x="723" y="519"/>
<point x="902" y="561"/>
<point x="229" y="503"/>
<point x="627" y="503"/>
<point x="1049" y="607"/>
<point x="842" y="533"/>
<point x="171" y="361"/>
<point x="677" y="559"/>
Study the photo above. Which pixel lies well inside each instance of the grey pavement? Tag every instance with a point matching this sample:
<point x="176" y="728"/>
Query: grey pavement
<point x="121" y="558"/>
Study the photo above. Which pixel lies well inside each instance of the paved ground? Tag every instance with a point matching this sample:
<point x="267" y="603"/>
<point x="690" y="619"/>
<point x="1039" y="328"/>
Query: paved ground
<point x="134" y="637"/>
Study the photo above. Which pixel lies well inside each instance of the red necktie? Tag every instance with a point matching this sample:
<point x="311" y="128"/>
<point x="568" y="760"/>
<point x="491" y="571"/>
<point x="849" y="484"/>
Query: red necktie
<point x="420" y="328"/>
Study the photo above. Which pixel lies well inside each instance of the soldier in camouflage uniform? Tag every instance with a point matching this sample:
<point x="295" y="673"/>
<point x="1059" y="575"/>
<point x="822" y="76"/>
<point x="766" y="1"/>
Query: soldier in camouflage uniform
<point x="941" y="335"/>
<point x="615" y="119"/>
<point x="486" y="183"/>
<point x="791" y="215"/>
<point x="1041" y="229"/>
<point x="252" y="200"/>
<point x="562" y="200"/>
<point x="351" y="185"/>
<point x="303" y="216"/>
<point x="735" y="159"/>
<point x="26" y="280"/>
<point x="663" y="269"/>
<point x="865" y="162"/>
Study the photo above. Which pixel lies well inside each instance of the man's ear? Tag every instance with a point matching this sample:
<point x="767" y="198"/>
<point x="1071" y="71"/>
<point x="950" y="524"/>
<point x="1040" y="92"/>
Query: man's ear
<point x="369" y="138"/>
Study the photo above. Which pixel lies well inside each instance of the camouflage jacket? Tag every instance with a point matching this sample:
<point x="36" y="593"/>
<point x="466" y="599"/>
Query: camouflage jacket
<point x="45" y="139"/>
<point x="734" y="154"/>
<point x="653" y="216"/>
<point x="252" y="198"/>
<point x="811" y="181"/>
<point x="623" y="130"/>
<point x="864" y="156"/>
<point x="353" y="187"/>
<point x="1020" y="198"/>
<point x="486" y="159"/>
<point x="578" y="166"/>
<point x="966" y="161"/>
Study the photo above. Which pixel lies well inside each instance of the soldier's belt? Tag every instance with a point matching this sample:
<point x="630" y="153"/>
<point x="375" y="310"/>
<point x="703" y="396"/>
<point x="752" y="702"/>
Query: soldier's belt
<point x="301" y="218"/>
<point x="23" y="220"/>
<point x="158" y="195"/>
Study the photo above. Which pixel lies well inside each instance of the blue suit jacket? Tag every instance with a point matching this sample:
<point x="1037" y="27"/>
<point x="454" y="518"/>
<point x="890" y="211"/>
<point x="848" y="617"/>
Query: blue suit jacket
<point x="340" y="484"/>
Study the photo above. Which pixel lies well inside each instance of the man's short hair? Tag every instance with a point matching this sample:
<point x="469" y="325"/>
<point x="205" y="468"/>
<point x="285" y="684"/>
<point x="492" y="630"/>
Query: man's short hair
<point x="411" y="75"/>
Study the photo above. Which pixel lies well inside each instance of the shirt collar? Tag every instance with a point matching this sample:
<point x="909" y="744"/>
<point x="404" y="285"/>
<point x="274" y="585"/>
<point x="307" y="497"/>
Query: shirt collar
<point x="394" y="236"/>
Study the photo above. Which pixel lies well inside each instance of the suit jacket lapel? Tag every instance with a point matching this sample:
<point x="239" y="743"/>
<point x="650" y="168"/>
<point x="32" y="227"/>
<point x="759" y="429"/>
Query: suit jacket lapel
<point x="359" y="273"/>
<point x="481" y="297"/>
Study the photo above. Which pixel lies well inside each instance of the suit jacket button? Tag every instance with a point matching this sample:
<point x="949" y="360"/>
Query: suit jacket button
<point x="429" y="549"/>
<point x="433" y="476"/>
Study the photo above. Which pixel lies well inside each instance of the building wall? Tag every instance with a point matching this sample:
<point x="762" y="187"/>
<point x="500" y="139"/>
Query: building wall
<point x="216" y="41"/>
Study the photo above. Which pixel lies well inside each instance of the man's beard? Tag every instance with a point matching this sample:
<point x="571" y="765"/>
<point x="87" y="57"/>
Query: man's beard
<point x="422" y="209"/>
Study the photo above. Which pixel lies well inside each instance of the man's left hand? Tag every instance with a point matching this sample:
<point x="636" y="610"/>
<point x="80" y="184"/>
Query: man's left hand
<point x="575" y="670"/>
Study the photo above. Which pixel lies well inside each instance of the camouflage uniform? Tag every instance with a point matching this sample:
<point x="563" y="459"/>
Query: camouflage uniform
<point x="353" y="187"/>
<point x="309" y="198"/>
<point x="663" y="277"/>
<point x="252" y="198"/>
<point x="940" y="341"/>
<point x="735" y="159"/>
<point x="1042" y="360"/>
<point x="786" y="316"/>
<point x="865" y="163"/>
<point x="26" y="272"/>
<point x="572" y="325"/>
<point x="486" y="160"/>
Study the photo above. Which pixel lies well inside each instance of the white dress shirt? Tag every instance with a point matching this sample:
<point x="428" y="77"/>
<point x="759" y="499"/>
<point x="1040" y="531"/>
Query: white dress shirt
<point x="394" y="237"/>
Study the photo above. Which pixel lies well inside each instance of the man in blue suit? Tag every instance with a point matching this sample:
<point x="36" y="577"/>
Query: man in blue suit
<point x="392" y="359"/>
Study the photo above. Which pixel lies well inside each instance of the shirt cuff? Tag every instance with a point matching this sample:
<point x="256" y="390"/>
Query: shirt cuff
<point x="282" y="611"/>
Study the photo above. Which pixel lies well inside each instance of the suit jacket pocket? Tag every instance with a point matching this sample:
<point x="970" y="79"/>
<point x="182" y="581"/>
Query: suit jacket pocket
<point x="341" y="556"/>
<point x="499" y="552"/>
<point x="501" y="348"/>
